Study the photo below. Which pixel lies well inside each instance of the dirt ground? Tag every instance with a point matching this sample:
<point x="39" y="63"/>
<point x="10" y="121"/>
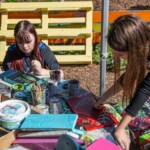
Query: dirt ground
<point x="90" y="74"/>
<point x="117" y="5"/>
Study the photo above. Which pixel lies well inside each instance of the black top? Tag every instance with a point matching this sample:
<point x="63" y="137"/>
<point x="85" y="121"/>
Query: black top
<point x="140" y="97"/>
<point x="48" y="58"/>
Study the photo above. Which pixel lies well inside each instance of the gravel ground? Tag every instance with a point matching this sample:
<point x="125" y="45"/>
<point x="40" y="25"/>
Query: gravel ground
<point x="89" y="75"/>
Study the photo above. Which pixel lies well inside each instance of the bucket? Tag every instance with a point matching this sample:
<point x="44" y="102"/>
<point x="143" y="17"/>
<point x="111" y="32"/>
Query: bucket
<point x="12" y="112"/>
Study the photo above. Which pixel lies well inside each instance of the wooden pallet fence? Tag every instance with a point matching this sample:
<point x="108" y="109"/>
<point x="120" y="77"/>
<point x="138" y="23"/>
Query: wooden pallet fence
<point x="51" y="27"/>
<point x="96" y="22"/>
<point x="71" y="14"/>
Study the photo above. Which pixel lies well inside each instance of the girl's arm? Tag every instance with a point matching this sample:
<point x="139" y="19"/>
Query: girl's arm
<point x="38" y="70"/>
<point x="120" y="133"/>
<point x="46" y="72"/>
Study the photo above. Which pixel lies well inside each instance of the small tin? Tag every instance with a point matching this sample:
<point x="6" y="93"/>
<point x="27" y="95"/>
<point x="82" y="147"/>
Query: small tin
<point x="74" y="87"/>
<point x="51" y="90"/>
<point x="55" y="105"/>
<point x="43" y="107"/>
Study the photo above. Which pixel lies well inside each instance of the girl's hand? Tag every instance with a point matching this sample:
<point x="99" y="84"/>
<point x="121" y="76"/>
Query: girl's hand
<point x="36" y="67"/>
<point x="122" y="138"/>
<point x="99" y="104"/>
<point x="36" y="64"/>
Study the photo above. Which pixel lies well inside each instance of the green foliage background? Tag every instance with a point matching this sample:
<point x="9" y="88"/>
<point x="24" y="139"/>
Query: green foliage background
<point x="109" y="61"/>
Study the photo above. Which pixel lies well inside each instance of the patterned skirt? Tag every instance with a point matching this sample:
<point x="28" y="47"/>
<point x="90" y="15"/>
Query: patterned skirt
<point x="139" y="127"/>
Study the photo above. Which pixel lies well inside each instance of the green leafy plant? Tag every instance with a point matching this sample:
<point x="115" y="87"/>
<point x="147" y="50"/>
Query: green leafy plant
<point x="96" y="54"/>
<point x="109" y="60"/>
<point x="12" y="0"/>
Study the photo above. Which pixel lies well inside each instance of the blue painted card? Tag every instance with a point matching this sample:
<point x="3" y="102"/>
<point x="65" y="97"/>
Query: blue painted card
<point x="50" y="121"/>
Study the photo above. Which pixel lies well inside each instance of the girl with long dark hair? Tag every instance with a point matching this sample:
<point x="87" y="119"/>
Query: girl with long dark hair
<point x="129" y="38"/>
<point x="29" y="55"/>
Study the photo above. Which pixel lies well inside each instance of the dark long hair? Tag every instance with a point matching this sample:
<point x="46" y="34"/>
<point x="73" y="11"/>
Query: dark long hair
<point x="21" y="32"/>
<point x="131" y="34"/>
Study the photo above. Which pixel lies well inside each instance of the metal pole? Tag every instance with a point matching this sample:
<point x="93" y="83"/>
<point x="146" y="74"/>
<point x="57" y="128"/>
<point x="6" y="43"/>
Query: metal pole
<point x="103" y="49"/>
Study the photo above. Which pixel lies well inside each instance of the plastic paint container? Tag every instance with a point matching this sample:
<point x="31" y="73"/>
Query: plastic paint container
<point x="43" y="107"/>
<point x="51" y="90"/>
<point x="12" y="112"/>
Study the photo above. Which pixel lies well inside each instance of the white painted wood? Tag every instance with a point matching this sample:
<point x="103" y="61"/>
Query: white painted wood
<point x="67" y="20"/>
<point x="67" y="47"/>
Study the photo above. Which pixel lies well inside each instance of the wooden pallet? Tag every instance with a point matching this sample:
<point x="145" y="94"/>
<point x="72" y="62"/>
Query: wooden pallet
<point x="63" y="26"/>
<point x="46" y="30"/>
<point x="145" y="15"/>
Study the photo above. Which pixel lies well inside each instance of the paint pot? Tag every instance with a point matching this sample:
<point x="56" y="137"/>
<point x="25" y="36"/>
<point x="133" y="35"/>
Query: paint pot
<point x="18" y="87"/>
<point x="43" y="107"/>
<point x="55" y="104"/>
<point x="12" y="112"/>
<point x="73" y="87"/>
<point x="17" y="91"/>
<point x="51" y="90"/>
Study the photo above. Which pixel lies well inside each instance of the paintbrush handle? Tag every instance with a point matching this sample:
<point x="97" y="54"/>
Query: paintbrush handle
<point x="55" y="74"/>
<point x="95" y="97"/>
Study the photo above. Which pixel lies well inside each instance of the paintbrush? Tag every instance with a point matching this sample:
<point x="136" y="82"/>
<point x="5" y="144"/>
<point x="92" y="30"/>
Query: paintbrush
<point x="57" y="72"/>
<point x="95" y="97"/>
<point x="47" y="68"/>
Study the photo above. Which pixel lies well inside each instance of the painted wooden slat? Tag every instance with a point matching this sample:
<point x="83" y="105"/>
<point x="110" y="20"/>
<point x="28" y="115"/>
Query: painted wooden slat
<point x="4" y="21"/>
<point x="6" y="33"/>
<point x="67" y="20"/>
<point x="2" y="50"/>
<point x="14" y="21"/>
<point x="50" y="5"/>
<point x="66" y="14"/>
<point x="61" y="33"/>
<point x="96" y="39"/>
<point x="68" y="48"/>
<point x="89" y="39"/>
<point x="62" y="47"/>
<point x="45" y="19"/>
<point x="89" y="47"/>
<point x="23" y="15"/>
<point x="49" y="9"/>
<point x="74" y="59"/>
